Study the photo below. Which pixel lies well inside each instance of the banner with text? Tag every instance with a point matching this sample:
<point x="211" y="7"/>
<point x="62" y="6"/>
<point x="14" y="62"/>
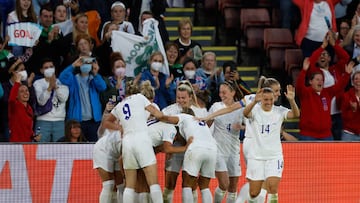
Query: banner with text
<point x="24" y="34"/>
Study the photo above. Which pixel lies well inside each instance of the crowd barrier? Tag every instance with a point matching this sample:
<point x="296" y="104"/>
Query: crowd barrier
<point x="40" y="173"/>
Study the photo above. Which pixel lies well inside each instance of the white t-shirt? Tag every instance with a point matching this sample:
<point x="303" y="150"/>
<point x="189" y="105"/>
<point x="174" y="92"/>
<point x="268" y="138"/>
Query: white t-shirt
<point x="318" y="25"/>
<point x="132" y="114"/>
<point x="189" y="126"/>
<point x="267" y="126"/>
<point x="227" y="138"/>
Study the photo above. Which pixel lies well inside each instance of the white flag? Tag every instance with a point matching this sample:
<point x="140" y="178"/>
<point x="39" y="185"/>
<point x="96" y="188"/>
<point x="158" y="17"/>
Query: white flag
<point x="136" y="50"/>
<point x="24" y="34"/>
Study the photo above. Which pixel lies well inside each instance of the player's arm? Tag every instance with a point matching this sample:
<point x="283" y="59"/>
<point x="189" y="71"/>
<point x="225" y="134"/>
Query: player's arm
<point x="169" y="148"/>
<point x="170" y="119"/>
<point x="109" y="122"/>
<point x="154" y="111"/>
<point x="290" y="95"/>
<point x="229" y="109"/>
<point x="249" y="107"/>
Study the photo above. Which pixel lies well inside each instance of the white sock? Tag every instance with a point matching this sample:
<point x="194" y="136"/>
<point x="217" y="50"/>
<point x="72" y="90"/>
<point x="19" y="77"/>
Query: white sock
<point x="187" y="195"/>
<point x="272" y="198"/>
<point x="262" y="196"/>
<point x="195" y="196"/>
<point x="206" y="196"/>
<point x="119" y="193"/>
<point x="231" y="197"/>
<point x="219" y="195"/>
<point x="168" y="195"/>
<point x="129" y="195"/>
<point x="106" y="192"/>
<point x="144" y="197"/>
<point x="243" y="194"/>
<point x="155" y="193"/>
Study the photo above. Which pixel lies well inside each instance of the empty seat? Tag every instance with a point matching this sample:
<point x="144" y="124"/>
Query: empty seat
<point x="276" y="41"/>
<point x="293" y="59"/>
<point x="253" y="21"/>
<point x="230" y="9"/>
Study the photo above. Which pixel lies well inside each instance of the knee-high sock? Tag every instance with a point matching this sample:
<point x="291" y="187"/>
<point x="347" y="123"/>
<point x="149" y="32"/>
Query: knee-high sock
<point x="187" y="195"/>
<point x="243" y="194"/>
<point x="272" y="198"/>
<point x="195" y="196"/>
<point x="262" y="196"/>
<point x="219" y="195"/>
<point x="156" y="194"/>
<point x="119" y="193"/>
<point x="168" y="195"/>
<point x="206" y="196"/>
<point x="144" y="197"/>
<point x="106" y="192"/>
<point x="231" y="197"/>
<point x="129" y="195"/>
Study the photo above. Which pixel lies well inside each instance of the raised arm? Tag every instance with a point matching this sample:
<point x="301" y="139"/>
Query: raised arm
<point x="250" y="106"/>
<point x="290" y="95"/>
<point x="233" y="107"/>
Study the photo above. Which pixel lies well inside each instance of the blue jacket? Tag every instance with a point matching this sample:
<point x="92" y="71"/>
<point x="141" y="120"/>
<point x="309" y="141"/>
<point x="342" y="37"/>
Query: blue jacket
<point x="97" y="85"/>
<point x="162" y="96"/>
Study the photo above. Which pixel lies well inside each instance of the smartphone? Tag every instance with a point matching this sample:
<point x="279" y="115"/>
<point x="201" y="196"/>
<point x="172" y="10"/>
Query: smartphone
<point x="88" y="60"/>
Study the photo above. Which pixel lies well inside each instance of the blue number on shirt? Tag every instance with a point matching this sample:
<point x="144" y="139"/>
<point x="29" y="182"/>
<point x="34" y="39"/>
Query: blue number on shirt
<point x="202" y="123"/>
<point x="228" y="127"/>
<point x="265" y="128"/>
<point x="126" y="111"/>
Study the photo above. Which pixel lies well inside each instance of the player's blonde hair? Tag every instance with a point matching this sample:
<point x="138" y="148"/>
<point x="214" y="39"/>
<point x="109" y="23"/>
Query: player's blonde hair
<point x="147" y="90"/>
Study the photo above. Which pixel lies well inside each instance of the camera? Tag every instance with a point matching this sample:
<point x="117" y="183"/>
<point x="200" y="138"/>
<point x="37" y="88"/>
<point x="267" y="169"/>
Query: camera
<point x="88" y="60"/>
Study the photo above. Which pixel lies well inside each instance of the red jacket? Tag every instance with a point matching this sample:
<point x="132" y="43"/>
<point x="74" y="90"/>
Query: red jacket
<point x="20" y="118"/>
<point x="337" y="69"/>
<point x="350" y="112"/>
<point x="315" y="118"/>
<point x="306" y="7"/>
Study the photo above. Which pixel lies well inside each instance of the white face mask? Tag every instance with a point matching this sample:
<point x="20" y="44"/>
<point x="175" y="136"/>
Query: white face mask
<point x="120" y="71"/>
<point x="156" y="66"/>
<point x="24" y="75"/>
<point x="189" y="74"/>
<point x="49" y="72"/>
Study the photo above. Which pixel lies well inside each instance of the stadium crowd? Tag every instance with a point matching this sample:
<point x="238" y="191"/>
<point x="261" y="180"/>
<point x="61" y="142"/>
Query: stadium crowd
<point x="71" y="85"/>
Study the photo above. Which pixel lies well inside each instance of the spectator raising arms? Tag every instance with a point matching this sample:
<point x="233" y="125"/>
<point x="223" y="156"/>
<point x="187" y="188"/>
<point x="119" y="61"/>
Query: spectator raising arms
<point x="316" y="100"/>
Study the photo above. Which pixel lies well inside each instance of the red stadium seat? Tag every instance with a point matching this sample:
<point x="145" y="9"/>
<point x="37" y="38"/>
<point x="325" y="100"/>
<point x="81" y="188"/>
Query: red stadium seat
<point x="293" y="63"/>
<point x="253" y="22"/>
<point x="276" y="41"/>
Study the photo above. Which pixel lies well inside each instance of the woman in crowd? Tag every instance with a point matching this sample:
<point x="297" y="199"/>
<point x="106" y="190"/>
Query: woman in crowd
<point x="24" y="12"/>
<point x="115" y="90"/>
<point x="50" y="91"/>
<point x="85" y="86"/>
<point x="118" y="13"/>
<point x="73" y="132"/>
<point x="159" y="81"/>
<point x="136" y="155"/>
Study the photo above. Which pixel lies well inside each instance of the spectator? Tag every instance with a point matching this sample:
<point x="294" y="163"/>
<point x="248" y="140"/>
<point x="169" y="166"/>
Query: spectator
<point x="316" y="100"/>
<point x="189" y="69"/>
<point x="16" y="66"/>
<point x="172" y="55"/>
<point x="115" y="91"/>
<point x="118" y="12"/>
<point x="85" y="85"/>
<point x="230" y="73"/>
<point x="340" y="10"/>
<point x="321" y="58"/>
<point x="62" y="18"/>
<point x="45" y="46"/>
<point x="352" y="42"/>
<point x="211" y="74"/>
<point x="73" y="132"/>
<point x="344" y="28"/>
<point x="24" y="12"/>
<point x="350" y="110"/>
<point x="50" y="88"/>
<point x="318" y="17"/>
<point x="187" y="47"/>
<point x="65" y="45"/>
<point x="5" y="57"/>
<point x="20" y="113"/>
<point x="159" y="80"/>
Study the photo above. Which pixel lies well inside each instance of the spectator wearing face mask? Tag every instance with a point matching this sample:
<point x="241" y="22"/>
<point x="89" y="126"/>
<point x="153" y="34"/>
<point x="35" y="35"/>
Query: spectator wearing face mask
<point x="115" y="84"/>
<point x="52" y="94"/>
<point x="85" y="85"/>
<point x="189" y="69"/>
<point x="159" y="81"/>
<point x="16" y="67"/>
